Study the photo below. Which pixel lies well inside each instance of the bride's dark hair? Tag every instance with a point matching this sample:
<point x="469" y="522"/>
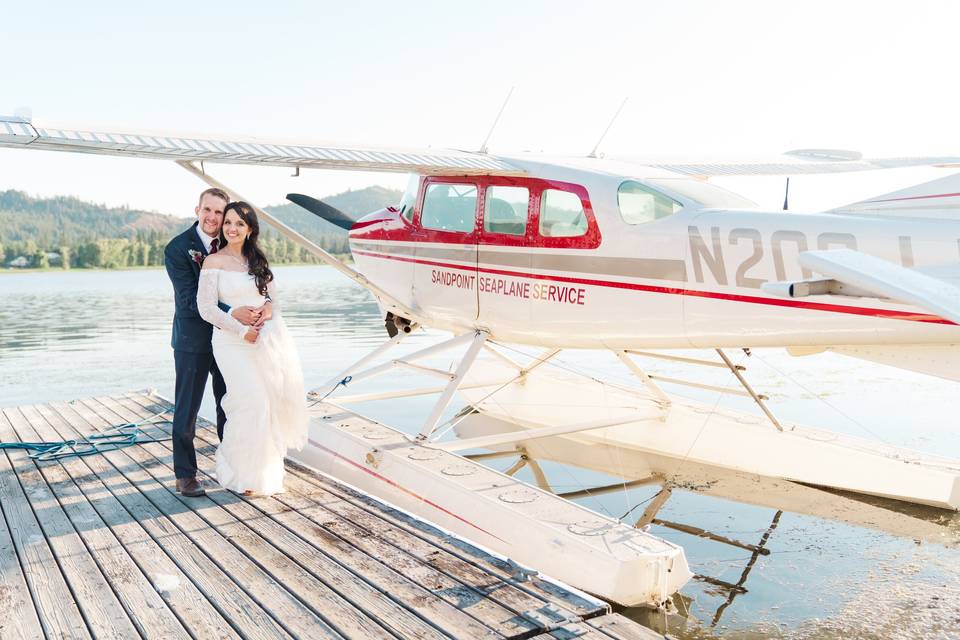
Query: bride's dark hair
<point x="259" y="268"/>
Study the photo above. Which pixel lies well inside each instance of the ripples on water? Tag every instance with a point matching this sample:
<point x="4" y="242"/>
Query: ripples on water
<point x="75" y="334"/>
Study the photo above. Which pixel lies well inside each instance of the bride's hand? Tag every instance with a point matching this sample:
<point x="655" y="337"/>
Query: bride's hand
<point x="251" y="335"/>
<point x="266" y="311"/>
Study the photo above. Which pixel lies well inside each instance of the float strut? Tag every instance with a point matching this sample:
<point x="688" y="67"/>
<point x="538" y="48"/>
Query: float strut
<point x="479" y="338"/>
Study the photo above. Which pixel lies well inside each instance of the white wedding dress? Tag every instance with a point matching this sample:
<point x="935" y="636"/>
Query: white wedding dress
<point x="266" y="406"/>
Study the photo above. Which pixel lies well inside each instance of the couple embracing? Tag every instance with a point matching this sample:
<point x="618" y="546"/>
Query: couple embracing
<point x="227" y="324"/>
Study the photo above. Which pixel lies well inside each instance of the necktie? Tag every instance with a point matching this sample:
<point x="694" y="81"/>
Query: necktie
<point x="214" y="245"/>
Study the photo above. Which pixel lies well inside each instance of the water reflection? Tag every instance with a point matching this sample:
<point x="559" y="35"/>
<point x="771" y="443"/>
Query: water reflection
<point x="835" y="564"/>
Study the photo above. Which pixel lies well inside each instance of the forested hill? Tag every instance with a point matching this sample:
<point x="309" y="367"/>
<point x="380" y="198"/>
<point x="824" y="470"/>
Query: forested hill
<point x="67" y="232"/>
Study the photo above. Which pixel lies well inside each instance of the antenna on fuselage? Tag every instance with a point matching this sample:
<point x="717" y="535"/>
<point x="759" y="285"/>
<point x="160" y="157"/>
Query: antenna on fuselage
<point x="786" y="194"/>
<point x="483" y="147"/>
<point x="593" y="154"/>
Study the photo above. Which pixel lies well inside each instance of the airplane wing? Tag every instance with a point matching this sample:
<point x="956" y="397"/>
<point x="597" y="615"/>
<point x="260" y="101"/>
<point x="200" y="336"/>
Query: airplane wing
<point x="852" y="273"/>
<point x="16" y="132"/>
<point x="793" y="163"/>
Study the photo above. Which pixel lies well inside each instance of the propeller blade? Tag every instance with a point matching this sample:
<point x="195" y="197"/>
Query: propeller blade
<point x="323" y="210"/>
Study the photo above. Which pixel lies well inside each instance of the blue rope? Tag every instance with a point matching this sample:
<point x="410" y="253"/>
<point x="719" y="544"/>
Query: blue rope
<point x="114" y="438"/>
<point x="342" y="383"/>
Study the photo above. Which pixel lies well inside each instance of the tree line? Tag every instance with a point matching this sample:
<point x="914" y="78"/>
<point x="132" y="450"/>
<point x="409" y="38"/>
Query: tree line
<point x="67" y="233"/>
<point x="145" y="250"/>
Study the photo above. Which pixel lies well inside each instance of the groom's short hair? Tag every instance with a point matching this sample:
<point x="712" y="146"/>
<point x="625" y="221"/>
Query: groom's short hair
<point x="216" y="193"/>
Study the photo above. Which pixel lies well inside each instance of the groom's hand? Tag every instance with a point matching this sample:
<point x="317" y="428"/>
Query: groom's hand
<point x="251" y="335"/>
<point x="246" y="315"/>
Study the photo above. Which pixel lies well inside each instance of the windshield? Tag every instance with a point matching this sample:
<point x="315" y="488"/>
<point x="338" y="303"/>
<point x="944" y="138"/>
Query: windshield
<point x="704" y="193"/>
<point x="409" y="199"/>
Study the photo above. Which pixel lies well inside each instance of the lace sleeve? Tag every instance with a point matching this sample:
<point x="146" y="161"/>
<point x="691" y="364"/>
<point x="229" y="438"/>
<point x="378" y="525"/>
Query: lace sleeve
<point x="208" y="293"/>
<point x="272" y="293"/>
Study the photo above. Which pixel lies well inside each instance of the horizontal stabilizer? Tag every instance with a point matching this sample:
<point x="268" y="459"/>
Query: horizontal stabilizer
<point x="938" y="294"/>
<point x="935" y="199"/>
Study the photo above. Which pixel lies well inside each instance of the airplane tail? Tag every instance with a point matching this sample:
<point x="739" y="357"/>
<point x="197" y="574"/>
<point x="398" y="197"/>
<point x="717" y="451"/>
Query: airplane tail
<point x="938" y="198"/>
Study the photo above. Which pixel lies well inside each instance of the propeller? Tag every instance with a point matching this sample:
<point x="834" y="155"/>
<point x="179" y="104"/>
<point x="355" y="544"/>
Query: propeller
<point x="323" y="210"/>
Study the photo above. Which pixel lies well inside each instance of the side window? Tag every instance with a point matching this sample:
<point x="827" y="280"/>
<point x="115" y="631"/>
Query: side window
<point x="640" y="204"/>
<point x="505" y="210"/>
<point x="561" y="214"/>
<point x="449" y="207"/>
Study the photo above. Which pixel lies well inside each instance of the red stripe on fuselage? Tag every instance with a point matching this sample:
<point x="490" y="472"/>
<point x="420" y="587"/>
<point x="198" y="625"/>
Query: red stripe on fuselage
<point x="395" y="484"/>
<point x="733" y="297"/>
<point x="366" y="223"/>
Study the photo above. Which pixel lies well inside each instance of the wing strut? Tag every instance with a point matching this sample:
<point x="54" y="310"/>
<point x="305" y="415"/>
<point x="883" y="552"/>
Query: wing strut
<point x="753" y="394"/>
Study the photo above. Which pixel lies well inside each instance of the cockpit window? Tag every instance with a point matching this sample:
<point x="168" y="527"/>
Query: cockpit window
<point x="704" y="193"/>
<point x="640" y="204"/>
<point x="450" y="207"/>
<point x="505" y="210"/>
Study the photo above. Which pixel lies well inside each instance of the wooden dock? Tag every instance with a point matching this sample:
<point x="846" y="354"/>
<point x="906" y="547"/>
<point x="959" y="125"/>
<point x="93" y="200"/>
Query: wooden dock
<point x="101" y="546"/>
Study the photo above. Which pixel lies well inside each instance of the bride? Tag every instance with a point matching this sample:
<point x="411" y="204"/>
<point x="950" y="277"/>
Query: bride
<point x="265" y="402"/>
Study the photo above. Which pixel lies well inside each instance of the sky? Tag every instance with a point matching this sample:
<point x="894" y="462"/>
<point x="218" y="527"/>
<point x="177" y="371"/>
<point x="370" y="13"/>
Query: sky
<point x="701" y="79"/>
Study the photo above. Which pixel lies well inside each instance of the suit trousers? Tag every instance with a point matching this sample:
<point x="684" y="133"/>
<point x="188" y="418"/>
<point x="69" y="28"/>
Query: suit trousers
<point x="192" y="370"/>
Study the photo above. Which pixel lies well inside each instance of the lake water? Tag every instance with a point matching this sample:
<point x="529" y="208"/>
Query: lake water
<point x="76" y="334"/>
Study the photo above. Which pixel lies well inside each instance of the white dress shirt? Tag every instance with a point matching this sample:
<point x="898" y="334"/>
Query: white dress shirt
<point x="205" y="239"/>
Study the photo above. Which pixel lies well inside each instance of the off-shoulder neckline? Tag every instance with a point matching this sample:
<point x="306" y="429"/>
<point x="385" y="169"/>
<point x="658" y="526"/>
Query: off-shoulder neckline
<point x="225" y="270"/>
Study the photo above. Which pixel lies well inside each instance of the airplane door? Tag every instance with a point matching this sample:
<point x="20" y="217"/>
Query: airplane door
<point x="445" y="272"/>
<point x="504" y="257"/>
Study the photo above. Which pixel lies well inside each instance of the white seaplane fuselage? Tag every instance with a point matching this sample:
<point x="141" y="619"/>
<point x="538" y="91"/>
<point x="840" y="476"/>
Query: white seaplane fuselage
<point x="684" y="272"/>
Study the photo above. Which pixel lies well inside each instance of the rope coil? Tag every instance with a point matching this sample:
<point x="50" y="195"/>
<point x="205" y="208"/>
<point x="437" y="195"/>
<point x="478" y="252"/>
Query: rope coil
<point x="116" y="437"/>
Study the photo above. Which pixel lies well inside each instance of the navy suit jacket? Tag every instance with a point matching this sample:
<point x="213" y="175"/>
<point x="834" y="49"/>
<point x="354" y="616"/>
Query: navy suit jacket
<point x="191" y="333"/>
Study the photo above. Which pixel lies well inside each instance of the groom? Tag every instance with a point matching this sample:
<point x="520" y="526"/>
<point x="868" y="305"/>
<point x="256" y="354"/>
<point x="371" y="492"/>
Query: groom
<point x="192" y="351"/>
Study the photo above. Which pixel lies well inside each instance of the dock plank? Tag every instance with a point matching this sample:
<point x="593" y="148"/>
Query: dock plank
<point x="281" y="520"/>
<point x="101" y="612"/>
<point x="157" y="572"/>
<point x="235" y="513"/>
<point x="465" y="552"/>
<point x="321" y="560"/>
<point x="619" y="627"/>
<point x="19" y="619"/>
<point x="141" y="603"/>
<point x="232" y="600"/>
<point x="545" y="590"/>
<point x="495" y="602"/>
<point x="573" y="631"/>
<point x="424" y="563"/>
<point x="538" y="600"/>
<point x="246" y="558"/>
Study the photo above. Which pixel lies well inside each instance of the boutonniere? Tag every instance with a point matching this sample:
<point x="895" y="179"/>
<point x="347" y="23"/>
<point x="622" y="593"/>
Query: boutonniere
<point x="196" y="256"/>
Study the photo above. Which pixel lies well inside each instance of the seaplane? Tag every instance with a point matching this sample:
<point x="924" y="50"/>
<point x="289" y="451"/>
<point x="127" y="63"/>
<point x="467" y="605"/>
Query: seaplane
<point x="631" y="257"/>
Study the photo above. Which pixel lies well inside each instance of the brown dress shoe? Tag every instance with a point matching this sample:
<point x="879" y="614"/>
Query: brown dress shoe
<point x="190" y="487"/>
